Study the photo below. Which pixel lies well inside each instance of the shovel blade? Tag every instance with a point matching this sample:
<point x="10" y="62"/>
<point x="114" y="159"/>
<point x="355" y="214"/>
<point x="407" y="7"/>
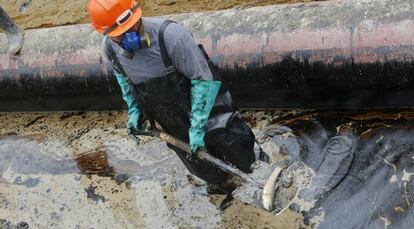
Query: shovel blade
<point x="286" y="187"/>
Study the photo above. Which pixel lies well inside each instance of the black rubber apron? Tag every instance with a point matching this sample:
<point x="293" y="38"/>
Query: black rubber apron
<point x="167" y="99"/>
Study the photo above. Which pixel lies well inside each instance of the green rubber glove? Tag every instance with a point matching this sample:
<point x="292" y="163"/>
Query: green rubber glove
<point x="134" y="112"/>
<point x="203" y="96"/>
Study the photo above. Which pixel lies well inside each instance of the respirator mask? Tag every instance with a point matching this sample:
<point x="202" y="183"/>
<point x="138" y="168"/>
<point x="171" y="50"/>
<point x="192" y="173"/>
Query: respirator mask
<point x="132" y="42"/>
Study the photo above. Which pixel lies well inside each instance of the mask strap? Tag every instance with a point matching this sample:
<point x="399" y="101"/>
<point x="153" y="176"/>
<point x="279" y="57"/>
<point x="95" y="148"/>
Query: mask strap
<point x="125" y="19"/>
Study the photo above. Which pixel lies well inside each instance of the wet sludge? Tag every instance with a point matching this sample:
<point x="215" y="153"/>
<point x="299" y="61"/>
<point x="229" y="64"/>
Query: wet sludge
<point x="119" y="184"/>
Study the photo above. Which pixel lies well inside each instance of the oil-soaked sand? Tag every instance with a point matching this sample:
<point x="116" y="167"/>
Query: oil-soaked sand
<point x="81" y="170"/>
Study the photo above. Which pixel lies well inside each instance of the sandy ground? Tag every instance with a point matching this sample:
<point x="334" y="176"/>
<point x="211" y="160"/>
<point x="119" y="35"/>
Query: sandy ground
<point x="44" y="13"/>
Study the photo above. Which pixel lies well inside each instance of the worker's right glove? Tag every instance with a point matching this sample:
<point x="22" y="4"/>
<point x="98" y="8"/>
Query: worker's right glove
<point x="134" y="124"/>
<point x="203" y="96"/>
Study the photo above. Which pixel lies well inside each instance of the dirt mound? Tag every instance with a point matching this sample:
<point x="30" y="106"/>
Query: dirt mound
<point x="44" y="13"/>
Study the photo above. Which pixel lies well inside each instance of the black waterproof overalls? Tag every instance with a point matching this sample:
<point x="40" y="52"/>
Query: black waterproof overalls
<point x="166" y="100"/>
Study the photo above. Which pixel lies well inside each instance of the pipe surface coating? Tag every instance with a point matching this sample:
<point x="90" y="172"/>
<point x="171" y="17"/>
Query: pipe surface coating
<point x="334" y="54"/>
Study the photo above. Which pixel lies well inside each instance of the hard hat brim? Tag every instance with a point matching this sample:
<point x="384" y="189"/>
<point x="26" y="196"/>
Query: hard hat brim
<point x="125" y="27"/>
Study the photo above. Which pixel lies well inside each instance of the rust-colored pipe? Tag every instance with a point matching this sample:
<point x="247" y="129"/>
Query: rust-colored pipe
<point x="334" y="54"/>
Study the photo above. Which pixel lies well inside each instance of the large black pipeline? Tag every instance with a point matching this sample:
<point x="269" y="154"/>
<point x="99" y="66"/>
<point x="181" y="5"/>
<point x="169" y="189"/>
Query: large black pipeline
<point x="334" y="54"/>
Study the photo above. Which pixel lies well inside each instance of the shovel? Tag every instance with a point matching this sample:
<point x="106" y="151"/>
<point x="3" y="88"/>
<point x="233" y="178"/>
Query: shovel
<point x="266" y="189"/>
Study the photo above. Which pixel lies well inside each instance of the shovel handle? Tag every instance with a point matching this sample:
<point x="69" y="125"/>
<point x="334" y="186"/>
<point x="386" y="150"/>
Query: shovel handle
<point x="202" y="155"/>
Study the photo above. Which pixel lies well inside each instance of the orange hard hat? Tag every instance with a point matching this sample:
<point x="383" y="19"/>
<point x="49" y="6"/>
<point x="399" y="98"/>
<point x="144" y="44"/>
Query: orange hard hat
<point x="114" y="17"/>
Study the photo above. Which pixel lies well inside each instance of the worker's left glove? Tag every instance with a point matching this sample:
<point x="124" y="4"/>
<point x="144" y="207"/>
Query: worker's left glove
<point x="203" y="96"/>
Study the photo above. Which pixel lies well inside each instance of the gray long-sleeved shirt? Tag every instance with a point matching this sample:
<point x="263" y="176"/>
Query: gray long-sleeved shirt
<point x="147" y="63"/>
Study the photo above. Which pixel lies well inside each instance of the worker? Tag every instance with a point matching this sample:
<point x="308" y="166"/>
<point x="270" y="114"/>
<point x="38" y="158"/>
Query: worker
<point x="166" y="77"/>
